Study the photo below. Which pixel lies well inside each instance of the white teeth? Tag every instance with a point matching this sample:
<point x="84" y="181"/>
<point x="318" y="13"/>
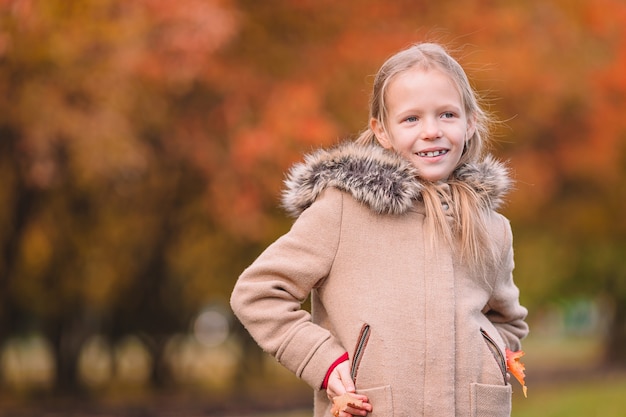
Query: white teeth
<point x="433" y="153"/>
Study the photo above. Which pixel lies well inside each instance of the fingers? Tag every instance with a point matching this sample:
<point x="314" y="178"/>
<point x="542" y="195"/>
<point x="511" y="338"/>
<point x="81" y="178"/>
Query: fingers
<point x="365" y="408"/>
<point x="343" y="369"/>
<point x="340" y="381"/>
<point x="349" y="412"/>
<point x="350" y="404"/>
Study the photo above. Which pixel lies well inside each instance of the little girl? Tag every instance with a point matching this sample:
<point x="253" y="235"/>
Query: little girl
<point x="407" y="263"/>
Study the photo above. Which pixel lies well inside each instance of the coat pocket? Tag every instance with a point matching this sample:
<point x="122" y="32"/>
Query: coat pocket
<point x="496" y="352"/>
<point x="359" y="350"/>
<point x="490" y="400"/>
<point x="381" y="399"/>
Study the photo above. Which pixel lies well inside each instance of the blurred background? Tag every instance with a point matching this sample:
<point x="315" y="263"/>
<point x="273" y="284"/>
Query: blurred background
<point x="142" y="148"/>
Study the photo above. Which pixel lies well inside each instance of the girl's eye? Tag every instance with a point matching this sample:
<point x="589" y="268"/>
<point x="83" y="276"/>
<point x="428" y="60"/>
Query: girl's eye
<point x="448" y="115"/>
<point x="411" y="119"/>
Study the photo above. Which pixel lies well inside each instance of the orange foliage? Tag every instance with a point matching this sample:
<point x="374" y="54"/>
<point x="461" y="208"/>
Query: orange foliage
<point x="109" y="92"/>
<point x="273" y="81"/>
<point x="516" y="368"/>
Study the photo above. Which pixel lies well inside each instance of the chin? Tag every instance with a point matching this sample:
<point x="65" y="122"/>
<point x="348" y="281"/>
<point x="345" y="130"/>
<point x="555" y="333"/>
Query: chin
<point x="433" y="177"/>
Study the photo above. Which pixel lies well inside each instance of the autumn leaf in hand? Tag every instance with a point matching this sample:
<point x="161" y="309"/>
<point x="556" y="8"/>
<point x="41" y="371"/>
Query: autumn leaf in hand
<point x="516" y="367"/>
<point x="344" y="401"/>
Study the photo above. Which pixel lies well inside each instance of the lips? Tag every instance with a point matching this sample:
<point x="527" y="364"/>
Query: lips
<point x="432" y="154"/>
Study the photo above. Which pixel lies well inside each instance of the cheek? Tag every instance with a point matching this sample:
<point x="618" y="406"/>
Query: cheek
<point x="460" y="137"/>
<point x="402" y="140"/>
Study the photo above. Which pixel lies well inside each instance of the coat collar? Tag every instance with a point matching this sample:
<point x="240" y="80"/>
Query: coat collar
<point x="381" y="179"/>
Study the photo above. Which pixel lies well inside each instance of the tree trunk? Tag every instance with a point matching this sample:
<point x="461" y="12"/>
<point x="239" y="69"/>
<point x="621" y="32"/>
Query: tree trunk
<point x="19" y="210"/>
<point x="160" y="374"/>
<point x="68" y="339"/>
<point x="251" y="364"/>
<point x="616" y="338"/>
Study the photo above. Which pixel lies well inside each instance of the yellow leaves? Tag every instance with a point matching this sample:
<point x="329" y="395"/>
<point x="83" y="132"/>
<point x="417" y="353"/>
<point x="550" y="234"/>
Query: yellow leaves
<point x="516" y="368"/>
<point x="345" y="401"/>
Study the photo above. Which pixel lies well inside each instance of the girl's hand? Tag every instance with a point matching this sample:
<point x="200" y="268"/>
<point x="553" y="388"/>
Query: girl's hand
<point x="350" y="404"/>
<point x="339" y="383"/>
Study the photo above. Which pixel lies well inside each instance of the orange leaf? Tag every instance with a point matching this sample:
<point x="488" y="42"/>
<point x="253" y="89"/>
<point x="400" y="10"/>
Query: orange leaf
<point x="344" y="401"/>
<point x="516" y="367"/>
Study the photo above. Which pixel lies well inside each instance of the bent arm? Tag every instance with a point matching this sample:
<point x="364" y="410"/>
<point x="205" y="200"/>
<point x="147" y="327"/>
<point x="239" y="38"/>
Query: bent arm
<point x="504" y="309"/>
<point x="268" y="295"/>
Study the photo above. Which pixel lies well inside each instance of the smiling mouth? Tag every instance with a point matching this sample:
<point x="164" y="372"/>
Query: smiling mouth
<point x="433" y="153"/>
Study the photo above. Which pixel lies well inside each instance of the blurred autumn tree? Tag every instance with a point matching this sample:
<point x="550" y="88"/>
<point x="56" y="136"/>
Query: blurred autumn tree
<point x="104" y="225"/>
<point x="142" y="145"/>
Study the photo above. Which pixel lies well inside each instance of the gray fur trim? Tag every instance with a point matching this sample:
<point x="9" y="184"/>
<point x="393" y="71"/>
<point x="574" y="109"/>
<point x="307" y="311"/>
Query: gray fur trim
<point x="378" y="178"/>
<point x="489" y="178"/>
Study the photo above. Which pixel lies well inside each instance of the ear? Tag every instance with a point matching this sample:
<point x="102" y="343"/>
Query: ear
<point x="381" y="134"/>
<point x="471" y="128"/>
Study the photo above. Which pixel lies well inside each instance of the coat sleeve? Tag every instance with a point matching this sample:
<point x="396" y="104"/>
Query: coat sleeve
<point x="504" y="309"/>
<point x="268" y="295"/>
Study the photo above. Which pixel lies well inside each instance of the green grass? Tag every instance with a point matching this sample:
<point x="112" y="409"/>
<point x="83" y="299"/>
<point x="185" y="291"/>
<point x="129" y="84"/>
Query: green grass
<point x="594" y="397"/>
<point x="604" y="397"/>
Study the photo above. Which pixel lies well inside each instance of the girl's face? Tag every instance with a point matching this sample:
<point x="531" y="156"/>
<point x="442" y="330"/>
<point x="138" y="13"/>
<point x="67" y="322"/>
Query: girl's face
<point x="426" y="122"/>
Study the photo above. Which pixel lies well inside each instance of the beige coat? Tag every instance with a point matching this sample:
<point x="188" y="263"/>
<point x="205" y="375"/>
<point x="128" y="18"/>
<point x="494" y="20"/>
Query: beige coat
<point x="424" y="336"/>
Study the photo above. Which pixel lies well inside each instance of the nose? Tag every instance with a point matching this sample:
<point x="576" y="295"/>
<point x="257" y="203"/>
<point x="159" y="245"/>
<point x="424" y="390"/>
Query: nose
<point x="430" y="129"/>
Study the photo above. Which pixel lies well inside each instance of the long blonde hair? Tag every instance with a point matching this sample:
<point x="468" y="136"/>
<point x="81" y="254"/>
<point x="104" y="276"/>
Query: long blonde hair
<point x="469" y="226"/>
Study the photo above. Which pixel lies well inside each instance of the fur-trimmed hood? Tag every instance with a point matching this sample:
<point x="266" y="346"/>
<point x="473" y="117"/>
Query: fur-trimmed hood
<point x="381" y="179"/>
